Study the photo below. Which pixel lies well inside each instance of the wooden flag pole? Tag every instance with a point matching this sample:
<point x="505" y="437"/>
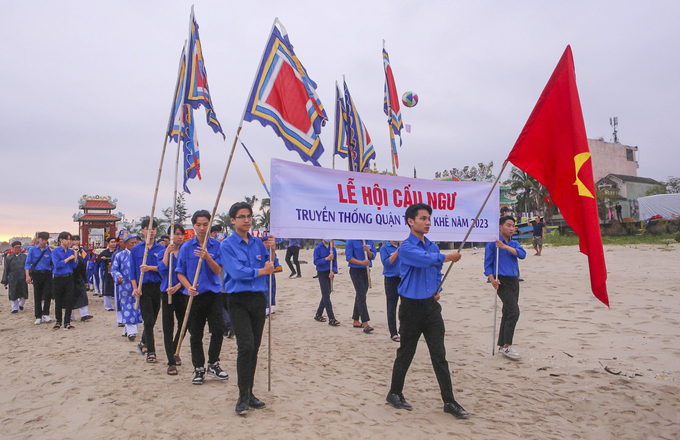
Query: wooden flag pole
<point x="495" y="310"/>
<point x="472" y="225"/>
<point x="172" y="220"/>
<point x="269" y="324"/>
<point x="331" y="245"/>
<point x="368" y="268"/>
<point x="219" y="193"/>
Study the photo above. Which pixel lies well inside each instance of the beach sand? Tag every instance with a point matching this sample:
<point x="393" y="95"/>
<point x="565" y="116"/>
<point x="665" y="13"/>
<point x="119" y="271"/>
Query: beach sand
<point x="331" y="382"/>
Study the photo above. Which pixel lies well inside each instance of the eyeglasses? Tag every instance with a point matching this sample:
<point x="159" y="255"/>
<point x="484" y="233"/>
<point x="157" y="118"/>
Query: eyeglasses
<point x="244" y="217"/>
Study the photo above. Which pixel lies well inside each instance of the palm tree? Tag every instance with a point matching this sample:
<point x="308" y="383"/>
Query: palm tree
<point x="224" y="221"/>
<point x="526" y="189"/>
<point x="251" y="200"/>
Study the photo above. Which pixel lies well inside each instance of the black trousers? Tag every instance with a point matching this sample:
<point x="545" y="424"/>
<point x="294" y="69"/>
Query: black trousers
<point x="169" y="312"/>
<point x="150" y="304"/>
<point x="42" y="291"/>
<point x="325" y="284"/>
<point x="63" y="290"/>
<point x="508" y="292"/>
<point x="391" y="285"/>
<point x="359" y="278"/>
<point x="247" y="310"/>
<point x="421" y="316"/>
<point x="294" y="252"/>
<point x="206" y="307"/>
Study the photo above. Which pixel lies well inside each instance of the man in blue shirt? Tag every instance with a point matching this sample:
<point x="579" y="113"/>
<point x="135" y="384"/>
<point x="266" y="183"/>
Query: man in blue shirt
<point x="64" y="262"/>
<point x="420" y="312"/>
<point x="207" y="303"/>
<point x="39" y="273"/>
<point x="173" y="306"/>
<point x="360" y="255"/>
<point x="389" y="255"/>
<point x="149" y="293"/>
<point x="246" y="261"/>
<point x="507" y="282"/>
<point x="293" y="251"/>
<point x="326" y="261"/>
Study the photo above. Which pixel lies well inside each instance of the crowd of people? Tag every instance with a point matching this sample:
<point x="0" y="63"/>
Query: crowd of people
<point x="227" y="284"/>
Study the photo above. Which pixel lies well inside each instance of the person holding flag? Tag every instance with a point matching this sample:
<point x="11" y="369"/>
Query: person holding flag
<point x="506" y="281"/>
<point x="360" y="255"/>
<point x="326" y="261"/>
<point x="420" y="312"/>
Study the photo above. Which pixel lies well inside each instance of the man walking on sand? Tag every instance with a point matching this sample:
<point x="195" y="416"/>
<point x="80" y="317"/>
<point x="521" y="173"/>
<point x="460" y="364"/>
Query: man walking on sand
<point x="506" y="283"/>
<point x="420" y="312"/>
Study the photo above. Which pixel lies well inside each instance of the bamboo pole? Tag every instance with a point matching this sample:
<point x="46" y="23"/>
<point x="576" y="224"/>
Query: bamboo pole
<point x="495" y="310"/>
<point x="172" y="219"/>
<point x="269" y="324"/>
<point x="473" y="223"/>
<point x="389" y="123"/>
<point x="368" y="268"/>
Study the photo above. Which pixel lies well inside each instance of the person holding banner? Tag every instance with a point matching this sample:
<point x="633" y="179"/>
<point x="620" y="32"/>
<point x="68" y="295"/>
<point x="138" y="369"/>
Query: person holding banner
<point x="420" y="312"/>
<point x="360" y="255"/>
<point x="389" y="255"/>
<point x="176" y="307"/>
<point x="247" y="264"/>
<point x="207" y="302"/>
<point x="326" y="261"/>
<point x="506" y="282"/>
<point x="149" y="292"/>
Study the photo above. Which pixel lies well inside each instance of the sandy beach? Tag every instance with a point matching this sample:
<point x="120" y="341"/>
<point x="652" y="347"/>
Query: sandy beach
<point x="331" y="382"/>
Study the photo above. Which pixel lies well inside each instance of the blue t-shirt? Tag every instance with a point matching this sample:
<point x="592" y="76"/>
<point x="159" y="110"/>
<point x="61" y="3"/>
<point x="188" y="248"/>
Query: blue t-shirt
<point x="355" y="249"/>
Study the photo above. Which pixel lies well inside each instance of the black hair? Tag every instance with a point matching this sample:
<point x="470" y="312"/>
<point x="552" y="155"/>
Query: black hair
<point x="145" y="223"/>
<point x="44" y="235"/>
<point x="412" y="211"/>
<point x="216" y="228"/>
<point x="75" y="237"/>
<point x="200" y="213"/>
<point x="505" y="218"/>
<point x="64" y="235"/>
<point x="15" y="243"/>
<point x="108" y="240"/>
<point x="236" y="207"/>
<point x="180" y="228"/>
<point x="164" y="237"/>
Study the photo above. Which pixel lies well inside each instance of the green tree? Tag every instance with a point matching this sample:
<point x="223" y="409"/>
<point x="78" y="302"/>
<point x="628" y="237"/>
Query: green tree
<point x="224" y="221"/>
<point x="262" y="220"/>
<point x="251" y="200"/>
<point x="671" y="186"/>
<point x="526" y="189"/>
<point x="181" y="214"/>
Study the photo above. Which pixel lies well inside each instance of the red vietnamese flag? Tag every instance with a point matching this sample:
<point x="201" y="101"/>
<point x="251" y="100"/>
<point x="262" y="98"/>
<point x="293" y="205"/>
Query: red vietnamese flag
<point x="553" y="149"/>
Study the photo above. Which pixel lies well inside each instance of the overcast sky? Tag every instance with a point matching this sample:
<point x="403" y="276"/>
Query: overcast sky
<point x="86" y="88"/>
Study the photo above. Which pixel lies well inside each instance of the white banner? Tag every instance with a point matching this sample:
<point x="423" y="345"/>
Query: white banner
<point x="315" y="202"/>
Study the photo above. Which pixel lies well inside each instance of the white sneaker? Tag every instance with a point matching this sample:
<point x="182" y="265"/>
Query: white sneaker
<point x="267" y="312"/>
<point x="37" y="321"/>
<point x="511" y="353"/>
<point x="46" y="318"/>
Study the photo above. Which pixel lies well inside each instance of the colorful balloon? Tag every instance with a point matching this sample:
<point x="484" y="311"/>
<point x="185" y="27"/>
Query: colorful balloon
<point x="409" y="99"/>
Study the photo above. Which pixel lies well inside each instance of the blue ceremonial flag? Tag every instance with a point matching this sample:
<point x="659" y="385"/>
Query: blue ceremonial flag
<point x="192" y="162"/>
<point x="340" y="124"/>
<point x="284" y="97"/>
<point x="391" y="100"/>
<point x="360" y="145"/>
<point x="197" y="92"/>
<point x="175" y="124"/>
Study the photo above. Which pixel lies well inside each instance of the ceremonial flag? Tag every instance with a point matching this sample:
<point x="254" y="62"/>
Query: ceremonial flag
<point x="391" y="106"/>
<point x="197" y="92"/>
<point x="340" y="124"/>
<point x="175" y="124"/>
<point x="192" y="162"/>
<point x="553" y="149"/>
<point x="284" y="97"/>
<point x="259" y="174"/>
<point x="360" y="145"/>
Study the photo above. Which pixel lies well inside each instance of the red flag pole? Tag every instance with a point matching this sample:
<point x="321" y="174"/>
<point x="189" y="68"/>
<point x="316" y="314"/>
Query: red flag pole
<point x="472" y="225"/>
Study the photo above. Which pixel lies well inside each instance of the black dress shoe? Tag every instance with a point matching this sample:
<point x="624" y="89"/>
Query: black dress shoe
<point x="255" y="403"/>
<point x="241" y="406"/>
<point x="455" y="409"/>
<point x="398" y="402"/>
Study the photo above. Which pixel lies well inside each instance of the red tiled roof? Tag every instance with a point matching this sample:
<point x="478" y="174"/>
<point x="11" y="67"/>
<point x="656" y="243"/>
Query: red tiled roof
<point x="98" y="217"/>
<point x="98" y="204"/>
